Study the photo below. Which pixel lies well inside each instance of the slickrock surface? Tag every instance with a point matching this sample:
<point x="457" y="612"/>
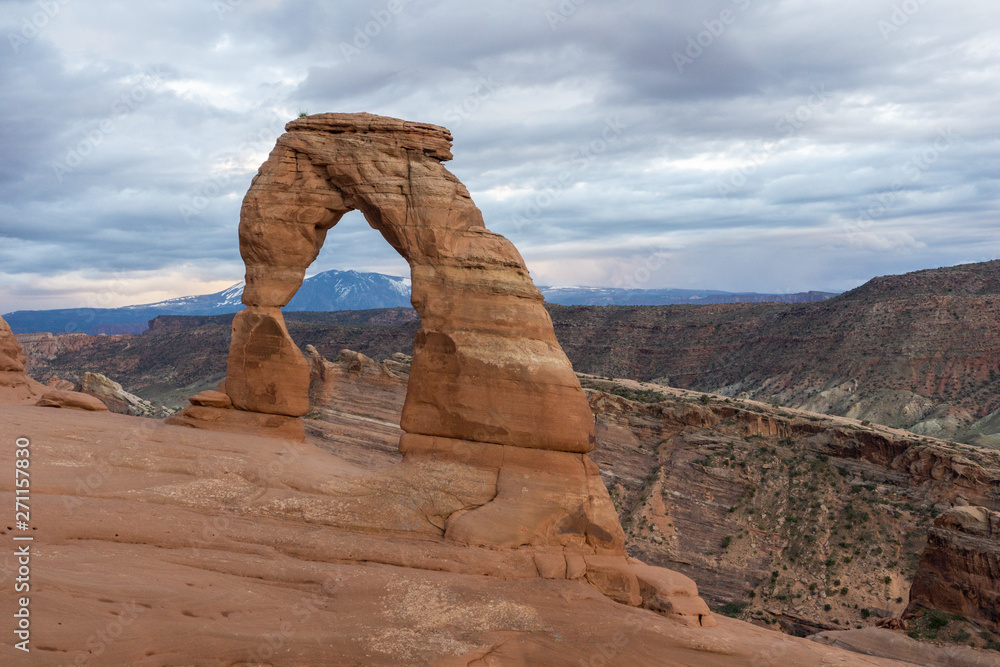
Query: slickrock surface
<point x="673" y="461"/>
<point x="159" y="545"/>
<point x="959" y="571"/>
<point x="875" y="641"/>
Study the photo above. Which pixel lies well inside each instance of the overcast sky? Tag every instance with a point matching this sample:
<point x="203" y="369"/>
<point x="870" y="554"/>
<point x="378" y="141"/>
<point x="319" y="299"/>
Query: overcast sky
<point x="742" y="145"/>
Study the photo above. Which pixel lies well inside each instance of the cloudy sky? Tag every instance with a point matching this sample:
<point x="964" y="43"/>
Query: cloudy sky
<point x="743" y="145"/>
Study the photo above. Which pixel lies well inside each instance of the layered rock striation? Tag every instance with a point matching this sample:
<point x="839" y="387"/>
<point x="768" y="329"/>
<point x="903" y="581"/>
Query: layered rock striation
<point x="15" y="385"/>
<point x="959" y="571"/>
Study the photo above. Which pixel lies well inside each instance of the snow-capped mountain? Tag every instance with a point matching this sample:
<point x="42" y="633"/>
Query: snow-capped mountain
<point x="328" y="291"/>
<point x="352" y="290"/>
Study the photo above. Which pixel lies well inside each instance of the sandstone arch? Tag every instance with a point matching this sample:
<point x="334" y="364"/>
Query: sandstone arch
<point x="496" y="425"/>
<point x="486" y="363"/>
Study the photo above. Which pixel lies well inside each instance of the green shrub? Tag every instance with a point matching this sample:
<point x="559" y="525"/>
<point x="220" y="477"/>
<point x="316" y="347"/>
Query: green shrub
<point x="733" y="609"/>
<point x="936" y="619"/>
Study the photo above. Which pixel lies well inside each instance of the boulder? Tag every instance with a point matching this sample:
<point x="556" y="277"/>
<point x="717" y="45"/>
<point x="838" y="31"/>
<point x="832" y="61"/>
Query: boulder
<point x="241" y="421"/>
<point x="212" y="399"/>
<point x="55" y="383"/>
<point x="74" y="400"/>
<point x="114" y="395"/>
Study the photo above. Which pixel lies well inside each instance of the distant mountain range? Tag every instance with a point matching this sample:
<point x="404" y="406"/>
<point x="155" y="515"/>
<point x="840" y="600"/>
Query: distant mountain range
<point x="612" y="296"/>
<point x="324" y="292"/>
<point x="351" y="290"/>
<point x="919" y="351"/>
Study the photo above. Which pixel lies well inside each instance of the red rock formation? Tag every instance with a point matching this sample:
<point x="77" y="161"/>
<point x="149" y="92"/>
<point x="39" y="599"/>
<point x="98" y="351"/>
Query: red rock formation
<point x="497" y="427"/>
<point x="959" y="571"/>
<point x="172" y="546"/>
<point x="486" y="364"/>
<point x="359" y="385"/>
<point x="15" y="385"/>
<point x="74" y="400"/>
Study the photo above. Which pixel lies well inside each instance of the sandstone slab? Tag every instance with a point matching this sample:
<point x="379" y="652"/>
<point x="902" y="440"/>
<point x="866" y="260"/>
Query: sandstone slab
<point x="212" y="399"/>
<point x="216" y="418"/>
<point x="74" y="400"/>
<point x="189" y="546"/>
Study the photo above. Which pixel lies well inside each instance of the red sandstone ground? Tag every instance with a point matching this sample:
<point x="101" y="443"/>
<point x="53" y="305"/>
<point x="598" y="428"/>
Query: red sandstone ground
<point x="160" y="545"/>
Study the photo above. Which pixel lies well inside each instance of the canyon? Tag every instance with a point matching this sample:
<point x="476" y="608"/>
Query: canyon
<point x="378" y="503"/>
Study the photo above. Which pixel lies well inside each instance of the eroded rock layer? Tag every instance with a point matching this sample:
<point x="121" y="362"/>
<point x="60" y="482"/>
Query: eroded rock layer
<point x="15" y="385"/>
<point x="959" y="571"/>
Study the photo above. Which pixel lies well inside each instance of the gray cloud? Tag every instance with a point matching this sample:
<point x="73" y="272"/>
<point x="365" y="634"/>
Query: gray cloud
<point x="758" y="144"/>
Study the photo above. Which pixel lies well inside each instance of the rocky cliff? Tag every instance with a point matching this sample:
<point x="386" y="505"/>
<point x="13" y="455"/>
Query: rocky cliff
<point x="919" y="351"/>
<point x="786" y="518"/>
<point x="959" y="571"/>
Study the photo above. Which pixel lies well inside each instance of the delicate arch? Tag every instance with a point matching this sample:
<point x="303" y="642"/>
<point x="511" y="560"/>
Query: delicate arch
<point x="486" y="363"/>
